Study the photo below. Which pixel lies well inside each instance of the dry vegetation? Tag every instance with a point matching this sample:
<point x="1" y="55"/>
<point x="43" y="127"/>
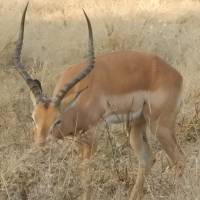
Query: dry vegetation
<point x="55" y="37"/>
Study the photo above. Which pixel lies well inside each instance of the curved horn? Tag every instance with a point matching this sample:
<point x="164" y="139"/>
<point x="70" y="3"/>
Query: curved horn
<point x="34" y="85"/>
<point x="84" y="72"/>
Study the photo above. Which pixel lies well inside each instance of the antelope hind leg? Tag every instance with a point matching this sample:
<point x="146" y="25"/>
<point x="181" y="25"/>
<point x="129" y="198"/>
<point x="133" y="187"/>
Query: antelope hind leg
<point x="138" y="141"/>
<point x="166" y="135"/>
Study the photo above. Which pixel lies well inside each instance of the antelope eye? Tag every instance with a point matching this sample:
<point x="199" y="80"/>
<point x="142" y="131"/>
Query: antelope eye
<point x="32" y="120"/>
<point x="57" y="123"/>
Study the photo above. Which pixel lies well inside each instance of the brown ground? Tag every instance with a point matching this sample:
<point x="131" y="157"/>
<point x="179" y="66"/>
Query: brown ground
<point x="55" y="37"/>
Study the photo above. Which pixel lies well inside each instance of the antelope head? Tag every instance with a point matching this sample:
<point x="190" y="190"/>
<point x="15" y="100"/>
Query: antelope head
<point x="47" y="112"/>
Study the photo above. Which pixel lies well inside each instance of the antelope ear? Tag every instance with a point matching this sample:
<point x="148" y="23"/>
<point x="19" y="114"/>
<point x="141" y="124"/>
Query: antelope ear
<point x="33" y="99"/>
<point x="35" y="83"/>
<point x="73" y="100"/>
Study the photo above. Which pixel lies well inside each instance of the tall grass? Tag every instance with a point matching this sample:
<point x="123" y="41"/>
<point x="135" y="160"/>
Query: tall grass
<point x="55" y="37"/>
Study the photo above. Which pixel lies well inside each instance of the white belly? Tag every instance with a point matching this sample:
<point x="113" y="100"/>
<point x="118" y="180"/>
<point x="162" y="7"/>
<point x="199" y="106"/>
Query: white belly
<point x="122" y="108"/>
<point x="120" y="118"/>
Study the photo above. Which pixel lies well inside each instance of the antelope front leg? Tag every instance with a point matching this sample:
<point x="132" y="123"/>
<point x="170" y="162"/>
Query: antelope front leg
<point x="87" y="150"/>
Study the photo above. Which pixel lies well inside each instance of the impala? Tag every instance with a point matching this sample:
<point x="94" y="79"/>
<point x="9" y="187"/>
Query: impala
<point x="113" y="87"/>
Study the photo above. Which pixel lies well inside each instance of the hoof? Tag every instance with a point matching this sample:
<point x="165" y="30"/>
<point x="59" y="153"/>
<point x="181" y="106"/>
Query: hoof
<point x="179" y="168"/>
<point x="136" y="194"/>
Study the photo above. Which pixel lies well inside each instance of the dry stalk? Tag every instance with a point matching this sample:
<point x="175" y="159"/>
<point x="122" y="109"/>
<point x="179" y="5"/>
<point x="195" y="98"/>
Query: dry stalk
<point x="5" y="186"/>
<point x="113" y="154"/>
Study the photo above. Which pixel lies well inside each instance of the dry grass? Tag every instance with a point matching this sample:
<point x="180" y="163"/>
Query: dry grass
<point x="55" y="37"/>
